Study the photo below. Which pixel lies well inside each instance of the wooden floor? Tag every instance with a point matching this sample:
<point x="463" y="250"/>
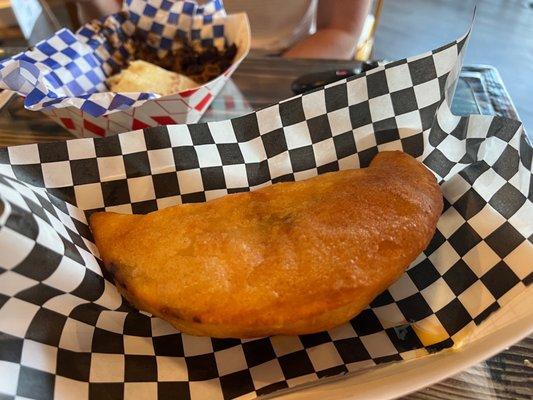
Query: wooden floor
<point x="502" y="36"/>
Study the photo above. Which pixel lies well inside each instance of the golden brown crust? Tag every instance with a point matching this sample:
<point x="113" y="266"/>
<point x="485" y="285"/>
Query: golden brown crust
<point x="291" y="258"/>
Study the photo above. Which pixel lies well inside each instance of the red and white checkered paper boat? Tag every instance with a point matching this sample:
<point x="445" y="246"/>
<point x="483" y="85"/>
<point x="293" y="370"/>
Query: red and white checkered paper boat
<point x="184" y="107"/>
<point x="65" y="75"/>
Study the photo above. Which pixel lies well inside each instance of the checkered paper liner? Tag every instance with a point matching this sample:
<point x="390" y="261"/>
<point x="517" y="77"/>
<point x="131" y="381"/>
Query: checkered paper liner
<point x="67" y="333"/>
<point x="64" y="76"/>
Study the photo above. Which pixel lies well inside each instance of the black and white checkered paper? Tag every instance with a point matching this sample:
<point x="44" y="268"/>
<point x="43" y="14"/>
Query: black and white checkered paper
<point x="65" y="332"/>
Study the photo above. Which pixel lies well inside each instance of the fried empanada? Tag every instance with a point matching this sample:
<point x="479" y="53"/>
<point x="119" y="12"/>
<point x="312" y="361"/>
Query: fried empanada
<point x="291" y="258"/>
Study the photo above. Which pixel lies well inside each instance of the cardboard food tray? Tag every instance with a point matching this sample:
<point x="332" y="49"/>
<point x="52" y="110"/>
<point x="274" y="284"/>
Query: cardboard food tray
<point x="67" y="333"/>
<point x="185" y="107"/>
<point x="66" y="76"/>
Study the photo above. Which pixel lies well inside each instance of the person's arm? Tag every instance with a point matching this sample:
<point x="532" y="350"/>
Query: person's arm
<point x="339" y="24"/>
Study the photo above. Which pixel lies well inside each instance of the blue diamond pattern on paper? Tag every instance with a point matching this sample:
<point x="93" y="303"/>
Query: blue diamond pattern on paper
<point x="145" y="96"/>
<point x="157" y="28"/>
<point x="218" y="31"/>
<point x="91" y="60"/>
<point x="188" y="8"/>
<point x="91" y="107"/>
<point x="71" y="53"/>
<point x="51" y="63"/>
<point x="195" y="34"/>
<point x="50" y="103"/>
<point x="67" y="36"/>
<point x="120" y="102"/>
<point x="165" y="5"/>
<point x="149" y="10"/>
<point x="54" y="80"/>
<point x="46" y="49"/>
<point x="75" y="88"/>
<point x="73" y="68"/>
<point x="135" y="18"/>
<point x="166" y="43"/>
<point x="173" y="18"/>
<point x="35" y="96"/>
<point x="95" y="79"/>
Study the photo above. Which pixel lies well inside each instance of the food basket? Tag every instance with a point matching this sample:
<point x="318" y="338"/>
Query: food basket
<point x="67" y="333"/>
<point x="64" y="76"/>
